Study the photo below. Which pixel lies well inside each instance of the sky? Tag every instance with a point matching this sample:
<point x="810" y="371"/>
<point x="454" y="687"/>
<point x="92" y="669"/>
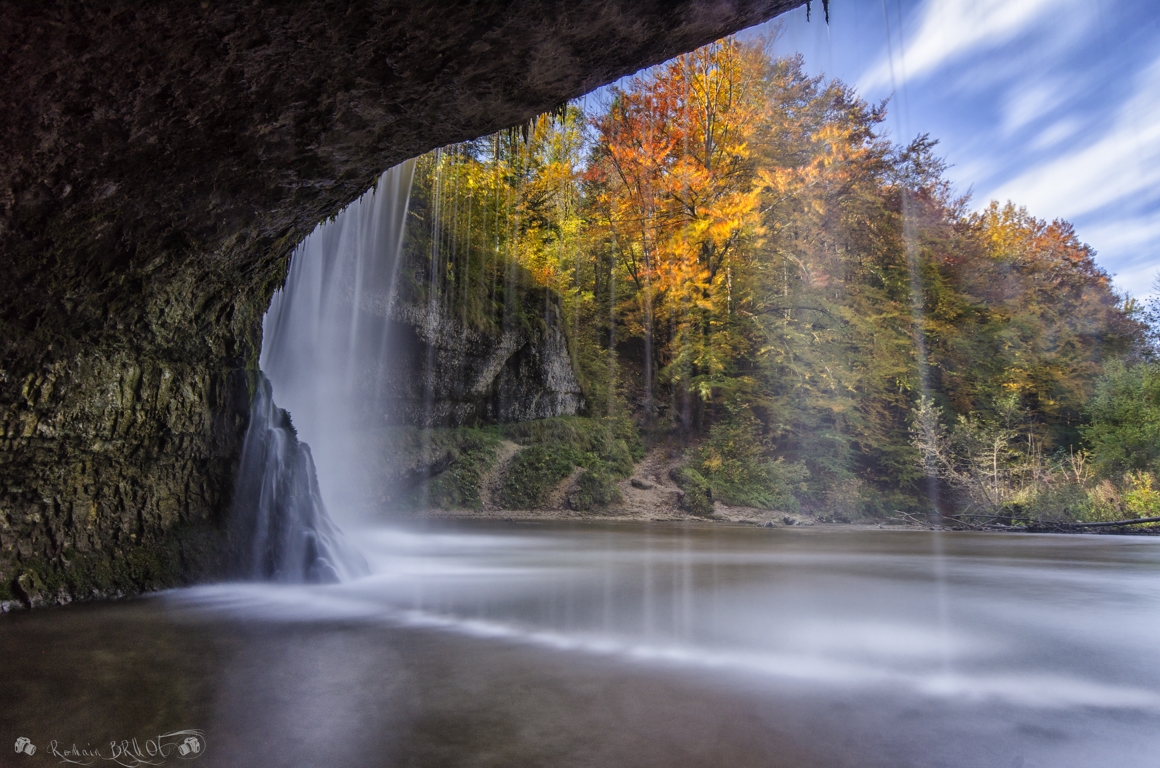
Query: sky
<point x="1052" y="104"/>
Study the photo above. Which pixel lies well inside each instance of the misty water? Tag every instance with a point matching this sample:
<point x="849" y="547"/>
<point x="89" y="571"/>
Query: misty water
<point x="583" y="643"/>
<point x="628" y="645"/>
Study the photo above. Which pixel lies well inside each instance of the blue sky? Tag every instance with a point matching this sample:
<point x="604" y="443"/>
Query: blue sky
<point x="1054" y="104"/>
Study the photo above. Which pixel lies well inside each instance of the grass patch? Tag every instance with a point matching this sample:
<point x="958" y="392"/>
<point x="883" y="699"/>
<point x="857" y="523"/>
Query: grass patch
<point x="606" y="448"/>
<point x="595" y="488"/>
<point x="445" y="468"/>
<point x="738" y="466"/>
<point x="612" y="444"/>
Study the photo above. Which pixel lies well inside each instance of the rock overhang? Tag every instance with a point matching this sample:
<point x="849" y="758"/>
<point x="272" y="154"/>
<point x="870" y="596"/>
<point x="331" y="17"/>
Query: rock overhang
<point x="161" y="162"/>
<point x="137" y="137"/>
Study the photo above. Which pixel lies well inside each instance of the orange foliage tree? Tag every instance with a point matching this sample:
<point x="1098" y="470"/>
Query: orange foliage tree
<point x="673" y="180"/>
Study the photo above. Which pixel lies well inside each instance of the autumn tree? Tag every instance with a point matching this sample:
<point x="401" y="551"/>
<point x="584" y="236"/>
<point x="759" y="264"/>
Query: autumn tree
<point x="673" y="189"/>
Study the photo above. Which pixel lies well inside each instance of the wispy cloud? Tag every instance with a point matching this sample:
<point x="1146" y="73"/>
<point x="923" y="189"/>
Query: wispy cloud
<point x="1139" y="280"/>
<point x="1122" y="163"/>
<point x="948" y="30"/>
<point x="1028" y="105"/>
<point x="1055" y="133"/>
<point x="1114" y="178"/>
<point x="1129" y="248"/>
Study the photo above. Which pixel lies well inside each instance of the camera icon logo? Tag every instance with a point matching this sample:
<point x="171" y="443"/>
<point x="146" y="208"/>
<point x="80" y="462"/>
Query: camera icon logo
<point x="23" y="744"/>
<point x="191" y="746"/>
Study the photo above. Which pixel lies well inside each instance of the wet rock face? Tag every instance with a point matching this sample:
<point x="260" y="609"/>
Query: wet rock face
<point x="160" y="162"/>
<point x="113" y="470"/>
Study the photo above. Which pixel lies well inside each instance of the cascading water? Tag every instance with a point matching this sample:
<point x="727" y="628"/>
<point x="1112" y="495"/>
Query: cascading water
<point x="325" y="358"/>
<point x="280" y="523"/>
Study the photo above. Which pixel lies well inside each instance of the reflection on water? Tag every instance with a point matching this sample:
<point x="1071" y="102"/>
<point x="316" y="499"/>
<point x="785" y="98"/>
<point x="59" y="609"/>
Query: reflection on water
<point x="629" y="645"/>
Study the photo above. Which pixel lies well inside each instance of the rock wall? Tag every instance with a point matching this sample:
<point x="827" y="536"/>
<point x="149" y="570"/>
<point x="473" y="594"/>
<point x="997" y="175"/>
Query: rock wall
<point x="115" y="471"/>
<point x="452" y="375"/>
<point x="160" y="162"/>
<point x="118" y="452"/>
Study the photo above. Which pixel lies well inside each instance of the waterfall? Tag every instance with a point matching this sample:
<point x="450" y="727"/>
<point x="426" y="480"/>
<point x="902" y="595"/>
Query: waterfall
<point x="280" y="524"/>
<point x="326" y="360"/>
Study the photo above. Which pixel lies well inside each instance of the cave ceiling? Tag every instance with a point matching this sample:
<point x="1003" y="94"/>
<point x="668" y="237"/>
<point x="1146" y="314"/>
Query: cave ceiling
<point x="160" y="148"/>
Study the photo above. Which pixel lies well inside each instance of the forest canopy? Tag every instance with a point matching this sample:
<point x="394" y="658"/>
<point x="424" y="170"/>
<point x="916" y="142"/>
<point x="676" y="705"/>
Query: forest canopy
<point x="749" y="264"/>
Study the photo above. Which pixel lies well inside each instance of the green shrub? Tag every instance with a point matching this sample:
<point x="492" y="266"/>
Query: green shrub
<point x="625" y="431"/>
<point x="1104" y="501"/>
<point x="1124" y="433"/>
<point x="595" y="488"/>
<point x="740" y="470"/>
<point x="472" y="455"/>
<point x="696" y="494"/>
<point x="445" y="468"/>
<point x="456" y="461"/>
<point x="612" y="441"/>
<point x="1141" y="499"/>
<point x="1060" y="498"/>
<point x="532" y="475"/>
<point x="606" y="448"/>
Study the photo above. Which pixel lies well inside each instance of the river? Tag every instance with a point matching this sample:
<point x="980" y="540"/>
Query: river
<point x="592" y="644"/>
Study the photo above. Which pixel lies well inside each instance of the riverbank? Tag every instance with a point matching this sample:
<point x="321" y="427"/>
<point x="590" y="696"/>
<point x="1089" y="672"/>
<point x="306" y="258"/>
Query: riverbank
<point x="764" y="518"/>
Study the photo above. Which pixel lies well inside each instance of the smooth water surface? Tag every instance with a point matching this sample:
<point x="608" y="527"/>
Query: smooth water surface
<point x="618" y="645"/>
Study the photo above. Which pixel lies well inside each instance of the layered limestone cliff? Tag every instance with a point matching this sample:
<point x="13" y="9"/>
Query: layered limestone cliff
<point x="160" y="162"/>
<point x="449" y="374"/>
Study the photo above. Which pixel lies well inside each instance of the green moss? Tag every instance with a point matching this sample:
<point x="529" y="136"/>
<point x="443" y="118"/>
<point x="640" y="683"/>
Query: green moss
<point x="625" y="429"/>
<point x="611" y="444"/>
<point x="184" y="556"/>
<point x="451" y="464"/>
<point x="470" y="455"/>
<point x="605" y="448"/>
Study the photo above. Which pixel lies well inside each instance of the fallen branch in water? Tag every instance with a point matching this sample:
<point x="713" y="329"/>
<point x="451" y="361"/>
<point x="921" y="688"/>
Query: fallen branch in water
<point x="1115" y="523"/>
<point x="905" y="517"/>
<point x="1030" y="524"/>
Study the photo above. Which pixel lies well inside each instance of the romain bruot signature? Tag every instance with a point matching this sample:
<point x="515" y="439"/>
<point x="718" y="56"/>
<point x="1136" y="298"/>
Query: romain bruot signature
<point x="130" y="753"/>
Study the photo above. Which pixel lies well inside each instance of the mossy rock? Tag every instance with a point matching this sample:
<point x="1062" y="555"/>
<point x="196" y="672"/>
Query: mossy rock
<point x="185" y="555"/>
<point x="696" y="495"/>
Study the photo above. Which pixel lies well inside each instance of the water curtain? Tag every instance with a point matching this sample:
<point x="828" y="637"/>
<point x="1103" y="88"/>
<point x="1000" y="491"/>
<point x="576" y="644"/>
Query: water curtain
<point x="326" y="359"/>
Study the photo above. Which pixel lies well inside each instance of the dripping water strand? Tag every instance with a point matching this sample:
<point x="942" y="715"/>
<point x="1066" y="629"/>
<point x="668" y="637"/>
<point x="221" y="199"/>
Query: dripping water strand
<point x="918" y="320"/>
